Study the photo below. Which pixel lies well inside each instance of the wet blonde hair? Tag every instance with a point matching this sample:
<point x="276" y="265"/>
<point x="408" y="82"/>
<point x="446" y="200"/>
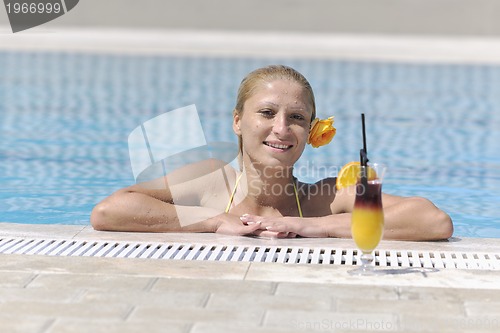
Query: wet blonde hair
<point x="268" y="74"/>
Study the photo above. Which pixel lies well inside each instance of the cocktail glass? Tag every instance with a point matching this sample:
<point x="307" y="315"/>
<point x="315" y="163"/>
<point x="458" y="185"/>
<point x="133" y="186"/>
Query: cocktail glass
<point x="367" y="222"/>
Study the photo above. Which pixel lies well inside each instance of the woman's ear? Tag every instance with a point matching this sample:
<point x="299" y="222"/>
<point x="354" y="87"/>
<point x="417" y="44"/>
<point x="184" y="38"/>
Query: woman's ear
<point x="236" y="122"/>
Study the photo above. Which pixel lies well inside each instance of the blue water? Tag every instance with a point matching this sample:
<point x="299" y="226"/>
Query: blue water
<point x="65" y="119"/>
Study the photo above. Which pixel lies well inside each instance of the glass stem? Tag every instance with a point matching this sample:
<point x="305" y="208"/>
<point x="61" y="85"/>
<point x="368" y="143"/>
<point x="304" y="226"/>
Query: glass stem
<point x="366" y="261"/>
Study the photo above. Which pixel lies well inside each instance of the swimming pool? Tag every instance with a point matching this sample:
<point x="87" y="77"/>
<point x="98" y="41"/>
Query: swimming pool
<point x="66" y="118"/>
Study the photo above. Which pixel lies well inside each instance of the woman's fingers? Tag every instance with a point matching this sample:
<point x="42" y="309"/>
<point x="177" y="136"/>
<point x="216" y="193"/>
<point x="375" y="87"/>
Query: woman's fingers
<point x="276" y="227"/>
<point x="270" y="234"/>
<point x="269" y="227"/>
<point x="250" y="219"/>
<point x="251" y="227"/>
<point x="268" y="223"/>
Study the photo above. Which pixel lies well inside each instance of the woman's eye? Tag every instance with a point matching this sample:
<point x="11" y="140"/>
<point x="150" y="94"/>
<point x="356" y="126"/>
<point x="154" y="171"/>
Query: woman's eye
<point x="298" y="117"/>
<point x="267" y="113"/>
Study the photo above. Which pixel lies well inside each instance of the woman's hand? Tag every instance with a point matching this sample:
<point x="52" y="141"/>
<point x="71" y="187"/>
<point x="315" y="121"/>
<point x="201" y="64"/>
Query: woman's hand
<point x="230" y="224"/>
<point x="288" y="227"/>
<point x="246" y="225"/>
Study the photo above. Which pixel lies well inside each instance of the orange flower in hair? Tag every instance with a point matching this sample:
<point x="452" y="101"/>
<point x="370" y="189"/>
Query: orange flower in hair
<point x="321" y="133"/>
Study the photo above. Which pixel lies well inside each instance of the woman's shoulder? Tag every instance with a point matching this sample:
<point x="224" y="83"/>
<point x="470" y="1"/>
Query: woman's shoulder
<point x="323" y="189"/>
<point x="202" y="168"/>
<point x="317" y="197"/>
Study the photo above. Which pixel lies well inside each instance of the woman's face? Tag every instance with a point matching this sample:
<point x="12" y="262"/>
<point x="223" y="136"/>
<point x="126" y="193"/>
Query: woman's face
<point x="274" y="123"/>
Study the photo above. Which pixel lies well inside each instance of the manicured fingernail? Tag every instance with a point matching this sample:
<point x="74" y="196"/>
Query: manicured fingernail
<point x="244" y="217"/>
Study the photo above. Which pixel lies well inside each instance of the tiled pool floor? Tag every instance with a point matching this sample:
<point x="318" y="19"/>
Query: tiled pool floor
<point x="40" y="293"/>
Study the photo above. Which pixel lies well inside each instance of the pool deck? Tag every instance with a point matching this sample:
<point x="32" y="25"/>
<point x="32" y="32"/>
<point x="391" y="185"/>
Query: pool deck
<point x="221" y="43"/>
<point x="50" y="294"/>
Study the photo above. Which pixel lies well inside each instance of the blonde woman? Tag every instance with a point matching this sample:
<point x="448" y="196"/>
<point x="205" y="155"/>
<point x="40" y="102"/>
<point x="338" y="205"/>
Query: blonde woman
<point x="272" y="119"/>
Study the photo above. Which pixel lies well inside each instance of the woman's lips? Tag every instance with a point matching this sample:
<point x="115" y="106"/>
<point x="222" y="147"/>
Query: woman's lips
<point x="276" y="145"/>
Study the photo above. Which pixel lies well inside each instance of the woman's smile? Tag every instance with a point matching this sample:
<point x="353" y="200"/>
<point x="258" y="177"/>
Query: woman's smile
<point x="277" y="146"/>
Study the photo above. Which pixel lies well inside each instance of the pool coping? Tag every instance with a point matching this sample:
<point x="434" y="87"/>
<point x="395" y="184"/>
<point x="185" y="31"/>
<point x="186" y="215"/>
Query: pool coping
<point x="220" y="43"/>
<point x="66" y="231"/>
<point x="453" y="278"/>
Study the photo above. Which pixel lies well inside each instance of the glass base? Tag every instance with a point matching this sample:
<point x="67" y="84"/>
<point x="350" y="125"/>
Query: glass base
<point x="366" y="267"/>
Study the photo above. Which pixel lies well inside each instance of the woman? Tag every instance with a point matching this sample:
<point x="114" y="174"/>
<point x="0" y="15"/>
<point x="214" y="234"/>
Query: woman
<point x="272" y="119"/>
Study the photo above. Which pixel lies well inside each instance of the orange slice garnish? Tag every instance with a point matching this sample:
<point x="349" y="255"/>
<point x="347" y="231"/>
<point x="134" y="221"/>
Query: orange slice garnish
<point x="350" y="173"/>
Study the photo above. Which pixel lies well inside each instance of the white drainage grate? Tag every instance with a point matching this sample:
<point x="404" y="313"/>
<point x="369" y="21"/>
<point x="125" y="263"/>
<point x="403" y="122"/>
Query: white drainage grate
<point x="288" y="254"/>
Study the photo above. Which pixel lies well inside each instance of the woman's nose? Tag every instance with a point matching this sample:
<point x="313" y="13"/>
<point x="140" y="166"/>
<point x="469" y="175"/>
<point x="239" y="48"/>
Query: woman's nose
<point x="281" y="125"/>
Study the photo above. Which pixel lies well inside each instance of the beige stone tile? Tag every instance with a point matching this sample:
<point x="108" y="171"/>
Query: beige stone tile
<point x="360" y="304"/>
<point x="15" y="279"/>
<point x="214" y="286"/>
<point x="51" y="231"/>
<point x="22" y="323"/>
<point x="330" y="320"/>
<point x="179" y="299"/>
<point x="90" y="281"/>
<point x="285" y="302"/>
<point x="59" y="295"/>
<point x="325" y="274"/>
<point x="447" y="294"/>
<point x="466" y="244"/>
<point x="225" y="328"/>
<point x="429" y="293"/>
<point x="124" y="266"/>
<point x="470" y="279"/>
<point x="74" y="325"/>
<point x="333" y="274"/>
<point x="453" y="244"/>
<point x="195" y="238"/>
<point x="487" y="322"/>
<point x="44" y="309"/>
<point x="337" y="290"/>
<point x="294" y="273"/>
<point x="479" y="294"/>
<point x="444" y="323"/>
<point x="487" y="308"/>
<point x="236" y="316"/>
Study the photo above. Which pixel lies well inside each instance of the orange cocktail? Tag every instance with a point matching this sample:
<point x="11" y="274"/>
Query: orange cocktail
<point x="367" y="221"/>
<point x="367" y="224"/>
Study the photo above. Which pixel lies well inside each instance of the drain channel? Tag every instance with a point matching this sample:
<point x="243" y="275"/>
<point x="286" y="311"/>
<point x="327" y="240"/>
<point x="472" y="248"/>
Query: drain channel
<point x="283" y="254"/>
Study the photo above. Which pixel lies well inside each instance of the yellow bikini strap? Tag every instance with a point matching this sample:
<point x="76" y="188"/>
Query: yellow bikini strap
<point x="297" y="199"/>
<point x="232" y="194"/>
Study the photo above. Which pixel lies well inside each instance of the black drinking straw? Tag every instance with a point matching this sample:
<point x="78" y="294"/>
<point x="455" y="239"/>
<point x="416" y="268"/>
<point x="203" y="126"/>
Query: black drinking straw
<point x="364" y="159"/>
<point x="363" y="156"/>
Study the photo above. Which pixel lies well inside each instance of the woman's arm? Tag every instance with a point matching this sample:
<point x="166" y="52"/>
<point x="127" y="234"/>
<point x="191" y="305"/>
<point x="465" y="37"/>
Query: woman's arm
<point x="405" y="218"/>
<point x="412" y="218"/>
<point x="131" y="209"/>
<point x="176" y="203"/>
<point x="128" y="210"/>
<point x="138" y="209"/>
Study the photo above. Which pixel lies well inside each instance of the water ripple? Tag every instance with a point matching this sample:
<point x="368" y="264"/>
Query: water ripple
<point x="65" y="119"/>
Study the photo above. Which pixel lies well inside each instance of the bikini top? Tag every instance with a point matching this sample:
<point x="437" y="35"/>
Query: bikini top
<point x="236" y="185"/>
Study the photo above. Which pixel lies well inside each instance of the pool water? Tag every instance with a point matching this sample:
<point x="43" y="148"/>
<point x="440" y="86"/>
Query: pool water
<point x="65" y="120"/>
